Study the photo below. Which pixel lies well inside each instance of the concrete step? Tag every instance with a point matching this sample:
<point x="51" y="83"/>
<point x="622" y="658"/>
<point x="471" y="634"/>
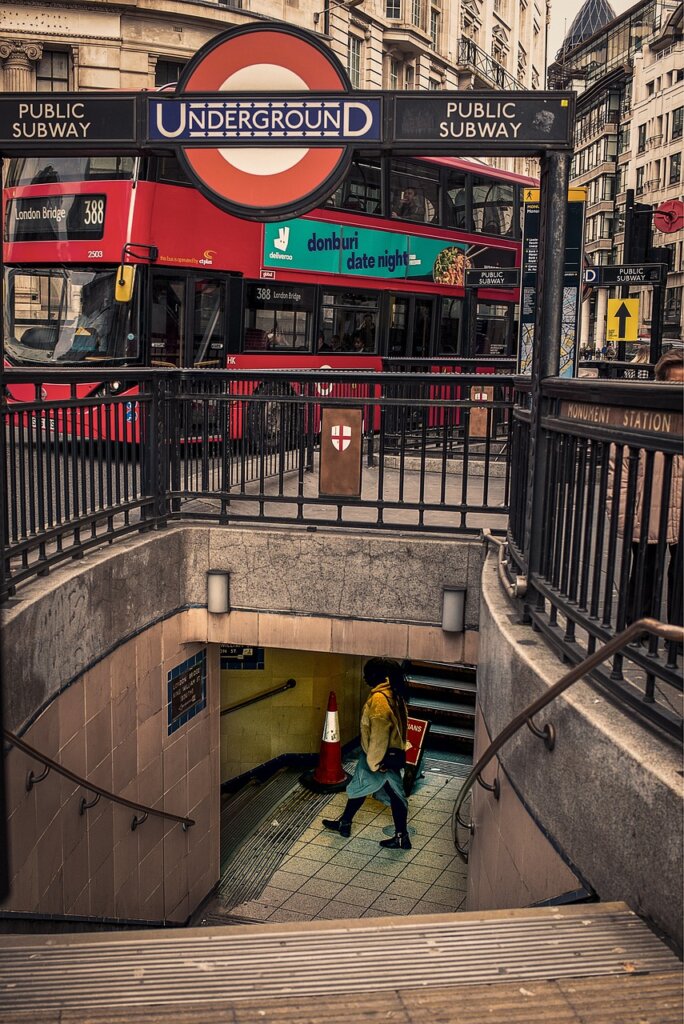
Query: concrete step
<point x="181" y="976"/>
<point x="420" y="681"/>
<point x="441" y="707"/>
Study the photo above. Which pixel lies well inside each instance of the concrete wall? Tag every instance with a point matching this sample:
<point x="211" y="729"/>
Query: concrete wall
<point x="86" y="653"/>
<point x="513" y="864"/>
<point x="609" y="795"/>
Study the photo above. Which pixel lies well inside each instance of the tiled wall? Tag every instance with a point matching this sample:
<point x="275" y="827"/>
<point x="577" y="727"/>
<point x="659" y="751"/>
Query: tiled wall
<point x="290" y="722"/>
<point x="111" y="726"/>
<point x="511" y="863"/>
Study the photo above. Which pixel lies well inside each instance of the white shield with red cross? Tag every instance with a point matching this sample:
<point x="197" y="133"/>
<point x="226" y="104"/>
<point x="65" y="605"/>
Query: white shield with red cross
<point x="341" y="437"/>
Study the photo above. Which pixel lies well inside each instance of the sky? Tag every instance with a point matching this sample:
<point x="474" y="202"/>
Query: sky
<point x="562" y="13"/>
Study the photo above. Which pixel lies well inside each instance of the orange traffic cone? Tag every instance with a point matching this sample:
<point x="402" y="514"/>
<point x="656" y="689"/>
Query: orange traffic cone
<point x="329" y="775"/>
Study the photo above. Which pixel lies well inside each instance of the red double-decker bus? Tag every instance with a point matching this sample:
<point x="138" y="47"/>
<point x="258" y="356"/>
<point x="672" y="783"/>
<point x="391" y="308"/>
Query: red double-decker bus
<point x="375" y="276"/>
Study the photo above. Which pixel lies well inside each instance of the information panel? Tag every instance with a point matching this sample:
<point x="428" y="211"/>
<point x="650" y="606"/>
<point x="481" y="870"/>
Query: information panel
<point x="187" y="690"/>
<point x="572" y="277"/>
<point x="55" y="218"/>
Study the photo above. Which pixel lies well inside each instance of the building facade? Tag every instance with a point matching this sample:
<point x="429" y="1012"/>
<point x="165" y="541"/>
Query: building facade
<point x="384" y="44"/>
<point x="629" y="76"/>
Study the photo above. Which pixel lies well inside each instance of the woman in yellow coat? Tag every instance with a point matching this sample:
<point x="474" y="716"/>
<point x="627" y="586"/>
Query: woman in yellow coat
<point x="383" y="727"/>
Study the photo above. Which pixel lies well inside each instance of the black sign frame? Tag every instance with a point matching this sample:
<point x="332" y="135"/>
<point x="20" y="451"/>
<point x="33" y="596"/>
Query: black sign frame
<point x="119" y="123"/>
<point x="637" y="274"/>
<point x="509" y="277"/>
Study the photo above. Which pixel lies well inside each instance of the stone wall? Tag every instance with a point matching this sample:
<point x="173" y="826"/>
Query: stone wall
<point x="609" y="795"/>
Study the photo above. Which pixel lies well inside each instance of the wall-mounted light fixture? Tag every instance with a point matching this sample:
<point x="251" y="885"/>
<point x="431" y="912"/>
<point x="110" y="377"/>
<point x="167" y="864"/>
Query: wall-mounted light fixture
<point x="453" y="609"/>
<point x="218" y="591"/>
<point x="331" y="6"/>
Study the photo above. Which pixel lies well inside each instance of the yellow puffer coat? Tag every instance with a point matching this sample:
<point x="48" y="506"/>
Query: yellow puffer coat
<point x="380" y="725"/>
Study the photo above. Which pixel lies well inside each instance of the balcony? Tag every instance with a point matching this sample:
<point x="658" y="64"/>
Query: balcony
<point x="488" y="70"/>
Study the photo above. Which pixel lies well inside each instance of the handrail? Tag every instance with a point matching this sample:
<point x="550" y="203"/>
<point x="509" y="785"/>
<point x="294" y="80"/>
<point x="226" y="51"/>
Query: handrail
<point x="673" y="634"/>
<point x="519" y="587"/>
<point x="32" y="780"/>
<point x="260" y="696"/>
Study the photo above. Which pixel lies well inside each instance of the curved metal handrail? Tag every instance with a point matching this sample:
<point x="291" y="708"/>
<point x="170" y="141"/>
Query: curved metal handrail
<point x="673" y="634"/>
<point x="259" y="696"/>
<point x="32" y="780"/>
<point x="519" y="587"/>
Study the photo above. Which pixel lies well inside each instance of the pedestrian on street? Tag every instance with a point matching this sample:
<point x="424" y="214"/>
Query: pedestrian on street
<point x="383" y="743"/>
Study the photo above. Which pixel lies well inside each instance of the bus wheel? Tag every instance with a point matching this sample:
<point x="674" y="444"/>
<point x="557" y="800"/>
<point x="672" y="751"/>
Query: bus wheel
<point x="273" y="420"/>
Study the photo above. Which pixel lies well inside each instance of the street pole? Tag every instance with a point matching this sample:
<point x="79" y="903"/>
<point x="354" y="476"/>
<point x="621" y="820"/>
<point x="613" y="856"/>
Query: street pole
<point x="555" y="179"/>
<point x="627" y="256"/>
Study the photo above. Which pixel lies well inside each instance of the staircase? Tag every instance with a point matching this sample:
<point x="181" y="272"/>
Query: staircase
<point x="445" y="696"/>
<point x="575" y="965"/>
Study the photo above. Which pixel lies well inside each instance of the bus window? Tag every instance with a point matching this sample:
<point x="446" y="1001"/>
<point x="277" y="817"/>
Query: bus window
<point x="493" y="206"/>
<point x="494" y="329"/>
<point x="414" y="191"/>
<point x="410" y="322"/>
<point x="449" y="332"/>
<point x="67" y="315"/>
<point x="354" y="317"/>
<point x="208" y="323"/>
<point x="167" y="321"/>
<point x="40" y="170"/>
<point x="361" y="189"/>
<point x="456" y="191"/>
<point x="278" y="316"/>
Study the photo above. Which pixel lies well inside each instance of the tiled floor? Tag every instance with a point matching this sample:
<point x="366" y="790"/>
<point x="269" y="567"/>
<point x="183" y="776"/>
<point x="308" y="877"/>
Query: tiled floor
<point x="323" y="876"/>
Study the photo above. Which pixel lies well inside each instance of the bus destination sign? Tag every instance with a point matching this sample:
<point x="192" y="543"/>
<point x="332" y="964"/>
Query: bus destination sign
<point x="481" y="122"/>
<point x="51" y="218"/>
<point x="101" y="122"/>
<point x="494" y="277"/>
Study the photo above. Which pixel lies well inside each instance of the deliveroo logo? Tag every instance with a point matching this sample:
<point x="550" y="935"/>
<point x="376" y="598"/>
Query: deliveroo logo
<point x="282" y="239"/>
<point x="281" y="242"/>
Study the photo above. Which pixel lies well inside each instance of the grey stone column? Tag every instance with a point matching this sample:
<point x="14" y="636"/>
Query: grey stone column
<point x="18" y="59"/>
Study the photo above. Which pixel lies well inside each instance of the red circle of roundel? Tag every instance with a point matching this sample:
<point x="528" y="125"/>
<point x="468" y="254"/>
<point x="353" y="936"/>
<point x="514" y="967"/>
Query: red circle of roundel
<point x="266" y="62"/>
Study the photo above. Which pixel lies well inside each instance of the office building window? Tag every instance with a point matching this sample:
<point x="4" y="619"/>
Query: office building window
<point x="641" y="139"/>
<point x="52" y="71"/>
<point x="675" y="168"/>
<point x="354" y="61"/>
<point x="167" y="71"/>
<point x="434" y="28"/>
<point x="677" y="122"/>
<point x="416" y="12"/>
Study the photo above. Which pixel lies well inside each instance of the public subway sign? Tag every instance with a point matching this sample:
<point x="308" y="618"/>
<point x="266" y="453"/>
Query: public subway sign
<point x="265" y="122"/>
<point x="476" y="123"/>
<point x="72" y="122"/>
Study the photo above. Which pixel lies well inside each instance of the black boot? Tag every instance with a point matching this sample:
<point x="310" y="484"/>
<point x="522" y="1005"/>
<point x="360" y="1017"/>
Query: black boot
<point x="399" y="841"/>
<point x="338" y="825"/>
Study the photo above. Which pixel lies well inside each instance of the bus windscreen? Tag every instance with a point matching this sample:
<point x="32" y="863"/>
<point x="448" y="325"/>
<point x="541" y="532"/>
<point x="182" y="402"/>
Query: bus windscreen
<point x="67" y="315"/>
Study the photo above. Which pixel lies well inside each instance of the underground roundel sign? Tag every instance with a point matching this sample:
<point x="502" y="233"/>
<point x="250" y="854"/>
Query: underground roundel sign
<point x="264" y="121"/>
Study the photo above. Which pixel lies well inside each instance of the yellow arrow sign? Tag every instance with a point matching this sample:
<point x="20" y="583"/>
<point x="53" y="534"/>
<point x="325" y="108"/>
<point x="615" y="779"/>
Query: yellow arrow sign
<point x="622" y="322"/>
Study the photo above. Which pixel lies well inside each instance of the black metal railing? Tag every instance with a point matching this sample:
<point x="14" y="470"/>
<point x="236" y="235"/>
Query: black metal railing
<point x="548" y="732"/>
<point x="609" y="539"/>
<point x="101" y="461"/>
<point x="483" y="64"/>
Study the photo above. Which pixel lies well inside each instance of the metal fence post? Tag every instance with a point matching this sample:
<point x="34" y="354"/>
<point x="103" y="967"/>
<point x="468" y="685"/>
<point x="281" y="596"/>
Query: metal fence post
<point x="555" y="177"/>
<point x="156" y="461"/>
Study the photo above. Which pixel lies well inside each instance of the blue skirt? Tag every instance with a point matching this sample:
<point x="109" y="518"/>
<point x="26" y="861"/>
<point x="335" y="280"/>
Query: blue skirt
<point x="368" y="783"/>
